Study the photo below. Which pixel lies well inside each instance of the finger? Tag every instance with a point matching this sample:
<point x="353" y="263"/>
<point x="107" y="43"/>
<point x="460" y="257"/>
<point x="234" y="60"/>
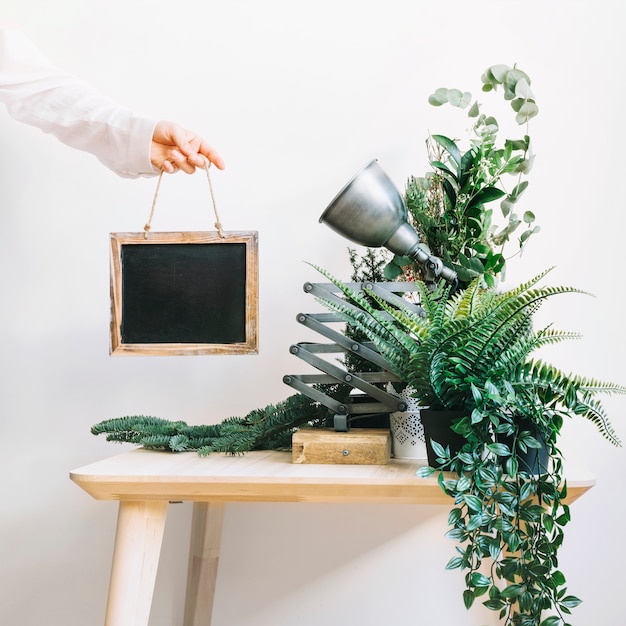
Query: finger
<point x="214" y="157"/>
<point x="199" y="159"/>
<point x="181" y="162"/>
<point x="168" y="167"/>
<point x="198" y="149"/>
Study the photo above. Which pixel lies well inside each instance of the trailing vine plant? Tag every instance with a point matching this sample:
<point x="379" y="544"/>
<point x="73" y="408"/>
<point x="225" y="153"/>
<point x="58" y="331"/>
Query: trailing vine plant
<point x="508" y="518"/>
<point x="471" y="352"/>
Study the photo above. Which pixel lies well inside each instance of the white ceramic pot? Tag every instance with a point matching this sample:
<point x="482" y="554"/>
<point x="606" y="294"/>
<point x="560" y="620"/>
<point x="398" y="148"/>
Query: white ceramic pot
<point x="407" y="432"/>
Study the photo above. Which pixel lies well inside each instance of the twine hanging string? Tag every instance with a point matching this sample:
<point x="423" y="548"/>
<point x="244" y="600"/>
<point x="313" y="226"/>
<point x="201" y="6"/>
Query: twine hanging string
<point x="218" y="223"/>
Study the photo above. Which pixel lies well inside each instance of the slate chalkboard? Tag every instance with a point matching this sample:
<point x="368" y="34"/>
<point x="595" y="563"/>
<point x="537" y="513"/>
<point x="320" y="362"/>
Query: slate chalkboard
<point x="184" y="293"/>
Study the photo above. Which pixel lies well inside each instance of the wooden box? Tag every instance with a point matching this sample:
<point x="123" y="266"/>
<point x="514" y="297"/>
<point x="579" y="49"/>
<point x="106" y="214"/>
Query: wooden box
<point x="360" y="446"/>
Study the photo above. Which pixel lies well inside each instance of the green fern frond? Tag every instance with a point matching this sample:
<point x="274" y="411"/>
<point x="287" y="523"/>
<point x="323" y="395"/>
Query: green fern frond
<point x="370" y="325"/>
<point x="434" y="302"/>
<point x="574" y="393"/>
<point x="391" y="342"/>
<point x="550" y="336"/>
<point x="592" y="409"/>
<point x="370" y="320"/>
<point x="411" y="323"/>
<point x="463" y="305"/>
<point x="598" y="386"/>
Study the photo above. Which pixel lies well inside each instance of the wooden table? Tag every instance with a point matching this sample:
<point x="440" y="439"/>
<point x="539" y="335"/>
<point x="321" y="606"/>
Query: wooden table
<point x="145" y="482"/>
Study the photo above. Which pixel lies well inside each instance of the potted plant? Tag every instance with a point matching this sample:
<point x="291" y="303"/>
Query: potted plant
<point x="472" y="352"/>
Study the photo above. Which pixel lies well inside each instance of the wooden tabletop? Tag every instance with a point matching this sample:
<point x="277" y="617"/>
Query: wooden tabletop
<point x="266" y="476"/>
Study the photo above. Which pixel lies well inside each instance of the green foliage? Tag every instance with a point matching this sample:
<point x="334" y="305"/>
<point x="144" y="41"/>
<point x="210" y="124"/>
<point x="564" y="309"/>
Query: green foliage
<point x="508" y="524"/>
<point x="370" y="267"/>
<point x="451" y="206"/>
<point x="472" y="350"/>
<point x="477" y="342"/>
<point x="267" y="428"/>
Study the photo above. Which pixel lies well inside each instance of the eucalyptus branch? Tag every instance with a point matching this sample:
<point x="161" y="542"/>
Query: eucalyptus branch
<point x="451" y="206"/>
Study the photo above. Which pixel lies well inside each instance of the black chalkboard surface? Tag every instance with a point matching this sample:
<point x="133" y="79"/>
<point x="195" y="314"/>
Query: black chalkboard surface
<point x="184" y="293"/>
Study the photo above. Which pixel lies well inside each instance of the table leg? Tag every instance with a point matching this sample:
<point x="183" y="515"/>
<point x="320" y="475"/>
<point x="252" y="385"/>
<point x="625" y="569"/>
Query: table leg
<point x="204" y="555"/>
<point x="135" y="560"/>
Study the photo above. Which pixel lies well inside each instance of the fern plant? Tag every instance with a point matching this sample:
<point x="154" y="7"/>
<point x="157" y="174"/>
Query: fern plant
<point x="473" y="351"/>
<point x="476" y="338"/>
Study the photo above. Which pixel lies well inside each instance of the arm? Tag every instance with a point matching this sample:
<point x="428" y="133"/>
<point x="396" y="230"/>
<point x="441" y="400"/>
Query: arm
<point x="37" y="93"/>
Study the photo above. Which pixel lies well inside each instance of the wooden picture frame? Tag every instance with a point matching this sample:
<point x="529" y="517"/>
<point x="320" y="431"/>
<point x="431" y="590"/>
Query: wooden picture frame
<point x="184" y="293"/>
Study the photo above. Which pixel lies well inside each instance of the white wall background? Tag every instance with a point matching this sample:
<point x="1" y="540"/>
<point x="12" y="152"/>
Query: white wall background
<point x="297" y="96"/>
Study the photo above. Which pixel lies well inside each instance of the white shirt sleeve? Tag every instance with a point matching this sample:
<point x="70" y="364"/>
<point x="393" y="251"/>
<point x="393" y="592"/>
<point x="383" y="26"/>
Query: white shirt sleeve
<point x="37" y="93"/>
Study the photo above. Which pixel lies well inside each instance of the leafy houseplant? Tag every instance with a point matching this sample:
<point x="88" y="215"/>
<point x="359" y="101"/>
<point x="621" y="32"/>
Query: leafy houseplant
<point x="451" y="207"/>
<point x="472" y="351"/>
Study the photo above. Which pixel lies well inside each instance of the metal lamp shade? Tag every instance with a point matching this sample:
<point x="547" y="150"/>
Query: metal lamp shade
<point x="370" y="211"/>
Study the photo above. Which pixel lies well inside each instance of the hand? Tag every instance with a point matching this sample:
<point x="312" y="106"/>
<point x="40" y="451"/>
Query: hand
<point x="176" y="148"/>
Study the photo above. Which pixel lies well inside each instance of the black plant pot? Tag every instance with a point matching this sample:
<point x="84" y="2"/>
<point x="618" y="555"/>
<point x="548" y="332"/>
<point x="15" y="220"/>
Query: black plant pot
<point x="438" y="427"/>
